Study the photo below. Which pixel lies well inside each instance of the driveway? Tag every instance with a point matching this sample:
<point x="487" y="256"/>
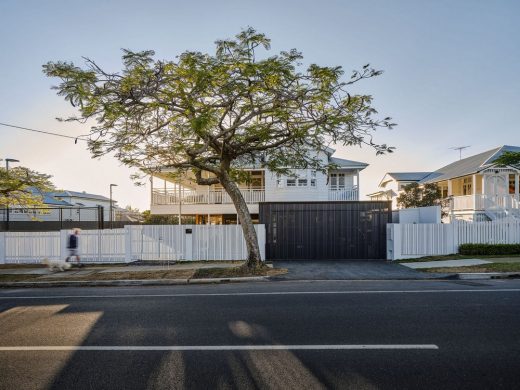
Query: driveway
<point x="349" y="270"/>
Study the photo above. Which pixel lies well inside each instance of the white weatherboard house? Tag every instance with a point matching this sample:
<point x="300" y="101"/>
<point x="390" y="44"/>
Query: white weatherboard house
<point x="479" y="190"/>
<point x="393" y="183"/>
<point x="212" y="205"/>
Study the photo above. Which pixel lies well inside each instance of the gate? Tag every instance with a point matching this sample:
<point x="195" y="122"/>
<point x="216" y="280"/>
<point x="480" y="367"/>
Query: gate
<point x="326" y="230"/>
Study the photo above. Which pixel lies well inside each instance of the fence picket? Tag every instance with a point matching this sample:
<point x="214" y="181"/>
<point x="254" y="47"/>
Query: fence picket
<point x="416" y="240"/>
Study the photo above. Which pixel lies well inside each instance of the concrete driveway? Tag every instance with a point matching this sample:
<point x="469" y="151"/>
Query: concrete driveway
<point x="349" y="270"/>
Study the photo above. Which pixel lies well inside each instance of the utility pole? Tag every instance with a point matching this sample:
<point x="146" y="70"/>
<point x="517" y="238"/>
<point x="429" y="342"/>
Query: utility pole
<point x="111" y="218"/>
<point x="7" y="161"/>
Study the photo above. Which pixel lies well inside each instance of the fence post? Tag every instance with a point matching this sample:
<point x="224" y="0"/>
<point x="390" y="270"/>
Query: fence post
<point x="63" y="243"/>
<point x="188" y="242"/>
<point x="128" y="244"/>
<point x="2" y="248"/>
<point x="395" y="238"/>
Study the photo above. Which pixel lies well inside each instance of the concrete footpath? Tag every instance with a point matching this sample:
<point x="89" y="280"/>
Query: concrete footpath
<point x="200" y="273"/>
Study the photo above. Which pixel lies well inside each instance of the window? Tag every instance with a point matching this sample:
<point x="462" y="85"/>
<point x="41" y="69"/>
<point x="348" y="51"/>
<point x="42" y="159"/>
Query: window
<point x="302" y="182"/>
<point x="467" y="186"/>
<point x="337" y="181"/>
<point x="279" y="181"/>
<point x="291" y="182"/>
<point x="511" y="184"/>
<point x="313" y="182"/>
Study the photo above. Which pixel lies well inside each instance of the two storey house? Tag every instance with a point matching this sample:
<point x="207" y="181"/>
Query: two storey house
<point x="212" y="205"/>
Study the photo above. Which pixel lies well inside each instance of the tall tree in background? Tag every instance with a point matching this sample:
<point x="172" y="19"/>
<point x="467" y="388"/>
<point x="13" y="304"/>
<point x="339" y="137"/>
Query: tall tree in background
<point x="23" y="187"/>
<point x="219" y="112"/>
<point x="508" y="158"/>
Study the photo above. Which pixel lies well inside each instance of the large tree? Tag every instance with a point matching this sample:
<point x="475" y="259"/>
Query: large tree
<point x="219" y="112"/>
<point x="23" y="187"/>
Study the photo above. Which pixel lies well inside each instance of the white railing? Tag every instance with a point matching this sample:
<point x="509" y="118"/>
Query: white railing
<point x="344" y="194"/>
<point x="483" y="202"/>
<point x="186" y="196"/>
<point x="134" y="242"/>
<point x="416" y="240"/>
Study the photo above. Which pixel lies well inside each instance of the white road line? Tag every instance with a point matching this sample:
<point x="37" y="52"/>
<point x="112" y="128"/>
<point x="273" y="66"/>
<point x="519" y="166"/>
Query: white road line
<point x="261" y="293"/>
<point x="218" y="347"/>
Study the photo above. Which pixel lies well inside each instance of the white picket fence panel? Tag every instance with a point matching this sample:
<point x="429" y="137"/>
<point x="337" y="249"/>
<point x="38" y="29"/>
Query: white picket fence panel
<point x="29" y="247"/>
<point x="417" y="240"/>
<point x="134" y="242"/>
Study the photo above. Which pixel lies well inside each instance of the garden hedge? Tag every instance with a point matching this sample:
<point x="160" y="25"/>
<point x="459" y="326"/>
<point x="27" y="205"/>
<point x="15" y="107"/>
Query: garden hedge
<point x="489" y="249"/>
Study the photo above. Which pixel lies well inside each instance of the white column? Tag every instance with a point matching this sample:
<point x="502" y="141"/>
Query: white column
<point x="474" y="191"/>
<point x="450" y="188"/>
<point x="180" y="202"/>
<point x="151" y="190"/>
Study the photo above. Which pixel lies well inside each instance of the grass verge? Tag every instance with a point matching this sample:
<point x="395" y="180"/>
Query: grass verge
<point x="17" y="277"/>
<point x="236" y="272"/>
<point x="454" y="257"/>
<point x="491" y="267"/>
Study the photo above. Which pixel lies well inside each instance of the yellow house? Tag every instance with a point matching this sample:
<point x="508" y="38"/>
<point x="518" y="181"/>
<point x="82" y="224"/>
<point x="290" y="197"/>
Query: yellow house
<point x="480" y="190"/>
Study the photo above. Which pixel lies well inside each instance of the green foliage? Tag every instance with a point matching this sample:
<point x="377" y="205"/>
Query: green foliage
<point x="154" y="219"/>
<point x="219" y="112"/>
<point x="415" y="195"/>
<point x="489" y="249"/>
<point x="23" y="187"/>
<point x="508" y="158"/>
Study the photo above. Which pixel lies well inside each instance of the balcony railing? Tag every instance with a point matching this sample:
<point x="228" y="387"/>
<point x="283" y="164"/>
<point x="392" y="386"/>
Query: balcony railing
<point x="186" y="196"/>
<point x="344" y="194"/>
<point x="485" y="202"/>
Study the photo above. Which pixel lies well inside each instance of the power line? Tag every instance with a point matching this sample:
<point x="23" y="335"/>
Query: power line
<point x="46" y="132"/>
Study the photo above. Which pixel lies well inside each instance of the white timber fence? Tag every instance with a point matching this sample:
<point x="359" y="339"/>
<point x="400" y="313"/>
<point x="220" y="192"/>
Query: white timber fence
<point x="133" y="243"/>
<point x="406" y="240"/>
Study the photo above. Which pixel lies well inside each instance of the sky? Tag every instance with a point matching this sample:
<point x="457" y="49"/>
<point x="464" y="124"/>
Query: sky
<point x="450" y="72"/>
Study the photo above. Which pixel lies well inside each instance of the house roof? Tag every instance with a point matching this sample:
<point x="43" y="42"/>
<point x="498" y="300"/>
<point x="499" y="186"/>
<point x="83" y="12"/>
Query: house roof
<point x="76" y="194"/>
<point x="403" y="176"/>
<point x="341" y="162"/>
<point x="469" y="165"/>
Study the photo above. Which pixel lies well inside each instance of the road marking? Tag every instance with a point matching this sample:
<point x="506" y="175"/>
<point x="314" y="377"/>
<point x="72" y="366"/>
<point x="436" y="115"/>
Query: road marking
<point x="219" y="347"/>
<point x="261" y="293"/>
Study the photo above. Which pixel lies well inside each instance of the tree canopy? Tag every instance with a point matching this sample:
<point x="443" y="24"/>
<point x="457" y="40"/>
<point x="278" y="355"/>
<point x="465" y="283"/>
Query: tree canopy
<point x="23" y="187"/>
<point x="508" y="158"/>
<point x="219" y="112"/>
<point x="416" y="195"/>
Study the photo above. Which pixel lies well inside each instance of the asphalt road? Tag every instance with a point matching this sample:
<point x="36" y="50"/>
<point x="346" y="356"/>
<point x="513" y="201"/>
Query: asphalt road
<point x="285" y="335"/>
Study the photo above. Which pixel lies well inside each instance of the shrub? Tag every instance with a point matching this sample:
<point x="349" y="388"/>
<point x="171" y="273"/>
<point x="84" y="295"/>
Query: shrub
<point x="489" y="249"/>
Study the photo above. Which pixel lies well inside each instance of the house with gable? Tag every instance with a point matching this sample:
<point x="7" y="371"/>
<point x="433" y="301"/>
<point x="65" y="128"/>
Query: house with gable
<point x="212" y="205"/>
<point x="478" y="189"/>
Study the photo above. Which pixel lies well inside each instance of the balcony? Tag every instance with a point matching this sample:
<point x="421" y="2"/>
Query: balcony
<point x="481" y="202"/>
<point x="344" y="194"/>
<point x="210" y="196"/>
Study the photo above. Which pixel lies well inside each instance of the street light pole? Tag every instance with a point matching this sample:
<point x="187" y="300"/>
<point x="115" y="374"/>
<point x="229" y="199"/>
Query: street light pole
<point x="111" y="218"/>
<point x="7" y="161"/>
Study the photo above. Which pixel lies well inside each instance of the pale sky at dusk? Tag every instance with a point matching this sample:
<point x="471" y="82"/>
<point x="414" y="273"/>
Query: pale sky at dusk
<point x="450" y="71"/>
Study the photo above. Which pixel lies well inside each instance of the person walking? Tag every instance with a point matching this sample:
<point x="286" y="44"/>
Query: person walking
<point x="72" y="246"/>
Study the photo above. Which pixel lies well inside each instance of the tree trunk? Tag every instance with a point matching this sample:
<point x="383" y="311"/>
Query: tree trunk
<point x="253" y="250"/>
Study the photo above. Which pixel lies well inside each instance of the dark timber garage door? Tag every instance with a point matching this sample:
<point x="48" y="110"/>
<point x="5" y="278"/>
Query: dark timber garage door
<point x="325" y="230"/>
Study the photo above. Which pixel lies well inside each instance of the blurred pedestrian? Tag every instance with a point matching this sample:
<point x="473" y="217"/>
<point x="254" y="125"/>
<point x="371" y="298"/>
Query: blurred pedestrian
<point x="72" y="246"/>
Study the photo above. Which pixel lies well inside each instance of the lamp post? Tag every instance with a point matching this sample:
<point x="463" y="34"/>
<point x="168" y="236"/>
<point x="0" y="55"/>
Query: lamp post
<point x="7" y="161"/>
<point x="111" y="218"/>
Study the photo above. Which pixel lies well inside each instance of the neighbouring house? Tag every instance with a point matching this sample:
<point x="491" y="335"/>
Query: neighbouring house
<point x="212" y="205"/>
<point x="68" y="202"/>
<point x="478" y="189"/>
<point x="393" y="183"/>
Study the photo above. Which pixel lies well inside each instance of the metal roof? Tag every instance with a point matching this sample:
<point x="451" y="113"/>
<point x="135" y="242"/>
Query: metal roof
<point x="76" y="194"/>
<point x="408" y="176"/>
<point x="469" y="165"/>
<point x="341" y="162"/>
